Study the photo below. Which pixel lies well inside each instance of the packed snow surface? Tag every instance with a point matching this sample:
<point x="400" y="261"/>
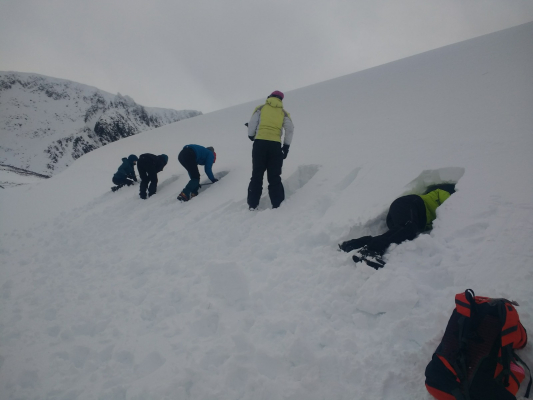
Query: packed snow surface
<point x="107" y="296"/>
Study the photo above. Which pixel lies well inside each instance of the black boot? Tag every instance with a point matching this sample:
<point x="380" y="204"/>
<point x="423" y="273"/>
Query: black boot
<point x="355" y="243"/>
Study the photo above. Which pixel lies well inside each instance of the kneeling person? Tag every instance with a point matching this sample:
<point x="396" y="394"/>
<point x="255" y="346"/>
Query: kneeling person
<point x="149" y="165"/>
<point x="190" y="157"/>
<point x="125" y="174"/>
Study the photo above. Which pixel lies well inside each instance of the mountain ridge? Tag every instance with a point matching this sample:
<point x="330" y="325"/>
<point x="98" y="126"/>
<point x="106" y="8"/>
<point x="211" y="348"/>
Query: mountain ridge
<point x="46" y="123"/>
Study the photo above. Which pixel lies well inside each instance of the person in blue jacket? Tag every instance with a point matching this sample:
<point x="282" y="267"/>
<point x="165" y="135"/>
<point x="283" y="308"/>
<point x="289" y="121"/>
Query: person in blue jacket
<point x="190" y="157"/>
<point x="126" y="173"/>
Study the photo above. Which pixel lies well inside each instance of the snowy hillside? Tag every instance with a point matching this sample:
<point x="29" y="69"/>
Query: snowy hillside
<point x="106" y="296"/>
<point x="46" y="123"/>
<point x="12" y="176"/>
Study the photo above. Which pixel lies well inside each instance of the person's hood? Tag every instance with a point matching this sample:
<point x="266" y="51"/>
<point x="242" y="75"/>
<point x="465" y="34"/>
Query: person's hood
<point x="274" y="102"/>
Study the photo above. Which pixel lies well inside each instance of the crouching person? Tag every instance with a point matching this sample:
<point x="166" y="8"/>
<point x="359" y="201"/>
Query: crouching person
<point x="407" y="217"/>
<point x="149" y="165"/>
<point x="190" y="157"/>
<point x="125" y="174"/>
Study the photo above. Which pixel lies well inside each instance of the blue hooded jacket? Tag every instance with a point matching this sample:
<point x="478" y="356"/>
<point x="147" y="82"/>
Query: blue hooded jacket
<point x="127" y="170"/>
<point x="204" y="157"/>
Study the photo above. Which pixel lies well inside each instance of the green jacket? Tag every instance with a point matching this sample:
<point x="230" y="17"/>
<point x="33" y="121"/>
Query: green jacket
<point x="269" y="120"/>
<point x="432" y="200"/>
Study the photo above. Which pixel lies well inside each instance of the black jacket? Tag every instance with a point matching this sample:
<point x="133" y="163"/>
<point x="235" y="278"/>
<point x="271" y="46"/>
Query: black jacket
<point x="151" y="163"/>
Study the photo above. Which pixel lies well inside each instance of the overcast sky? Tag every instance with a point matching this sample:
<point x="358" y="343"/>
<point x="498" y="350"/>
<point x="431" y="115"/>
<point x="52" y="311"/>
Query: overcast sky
<point x="211" y="54"/>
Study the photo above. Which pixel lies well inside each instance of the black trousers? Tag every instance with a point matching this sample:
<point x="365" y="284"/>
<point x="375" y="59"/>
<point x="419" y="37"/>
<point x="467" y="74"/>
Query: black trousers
<point x="405" y="220"/>
<point x="148" y="174"/>
<point x="406" y="209"/>
<point x="122" y="181"/>
<point x="266" y="156"/>
<point x="187" y="158"/>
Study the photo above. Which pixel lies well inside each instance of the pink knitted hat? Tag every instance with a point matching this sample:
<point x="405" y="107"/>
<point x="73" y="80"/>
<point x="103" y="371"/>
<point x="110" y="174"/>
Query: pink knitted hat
<point x="277" y="93"/>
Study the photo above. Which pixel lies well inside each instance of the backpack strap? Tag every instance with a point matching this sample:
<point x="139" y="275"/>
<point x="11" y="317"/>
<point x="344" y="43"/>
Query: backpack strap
<point x="528" y="390"/>
<point x="510" y="319"/>
<point x="462" y="304"/>
<point x="459" y="395"/>
<point x="465" y="305"/>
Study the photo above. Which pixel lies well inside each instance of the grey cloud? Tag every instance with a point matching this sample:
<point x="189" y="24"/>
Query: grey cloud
<point x="212" y="54"/>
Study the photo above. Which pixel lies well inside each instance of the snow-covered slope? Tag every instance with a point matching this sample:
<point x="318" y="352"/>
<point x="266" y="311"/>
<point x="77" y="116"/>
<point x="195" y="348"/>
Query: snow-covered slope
<point x="46" y="123"/>
<point x="106" y="296"/>
<point x="12" y="176"/>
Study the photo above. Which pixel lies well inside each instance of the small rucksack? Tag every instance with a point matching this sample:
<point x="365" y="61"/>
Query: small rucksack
<point x="475" y="359"/>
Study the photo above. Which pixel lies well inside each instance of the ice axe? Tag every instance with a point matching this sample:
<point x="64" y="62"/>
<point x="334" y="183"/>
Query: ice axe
<point x="203" y="184"/>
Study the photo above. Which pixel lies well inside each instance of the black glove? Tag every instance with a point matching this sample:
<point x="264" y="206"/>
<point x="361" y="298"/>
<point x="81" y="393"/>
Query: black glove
<point x="285" y="150"/>
<point x="246" y="124"/>
<point x="252" y="138"/>
<point x="346" y="246"/>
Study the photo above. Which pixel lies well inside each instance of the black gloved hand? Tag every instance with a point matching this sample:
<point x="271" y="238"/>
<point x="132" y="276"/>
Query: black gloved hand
<point x="347" y="246"/>
<point x="252" y="138"/>
<point x="285" y="150"/>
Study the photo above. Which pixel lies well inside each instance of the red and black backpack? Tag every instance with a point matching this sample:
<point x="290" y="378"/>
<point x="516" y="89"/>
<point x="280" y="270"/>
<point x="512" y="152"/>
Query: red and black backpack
<point x="475" y="359"/>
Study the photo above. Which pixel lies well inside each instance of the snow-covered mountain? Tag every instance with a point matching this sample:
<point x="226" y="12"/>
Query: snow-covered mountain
<point x="47" y="123"/>
<point x="107" y="296"/>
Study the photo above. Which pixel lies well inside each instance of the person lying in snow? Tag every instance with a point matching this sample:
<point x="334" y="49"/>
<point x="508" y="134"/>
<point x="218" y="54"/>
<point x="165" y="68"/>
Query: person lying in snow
<point x="126" y="173"/>
<point x="148" y="166"/>
<point x="408" y="216"/>
<point x="190" y="157"/>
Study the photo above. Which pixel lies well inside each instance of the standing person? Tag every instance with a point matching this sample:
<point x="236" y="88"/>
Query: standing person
<point x="408" y="216"/>
<point x="148" y="166"/>
<point x="125" y="174"/>
<point x="190" y="157"/>
<point x="265" y="130"/>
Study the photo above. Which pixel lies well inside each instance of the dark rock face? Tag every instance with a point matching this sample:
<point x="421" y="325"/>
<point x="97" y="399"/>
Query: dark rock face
<point x="114" y="127"/>
<point x="66" y="120"/>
